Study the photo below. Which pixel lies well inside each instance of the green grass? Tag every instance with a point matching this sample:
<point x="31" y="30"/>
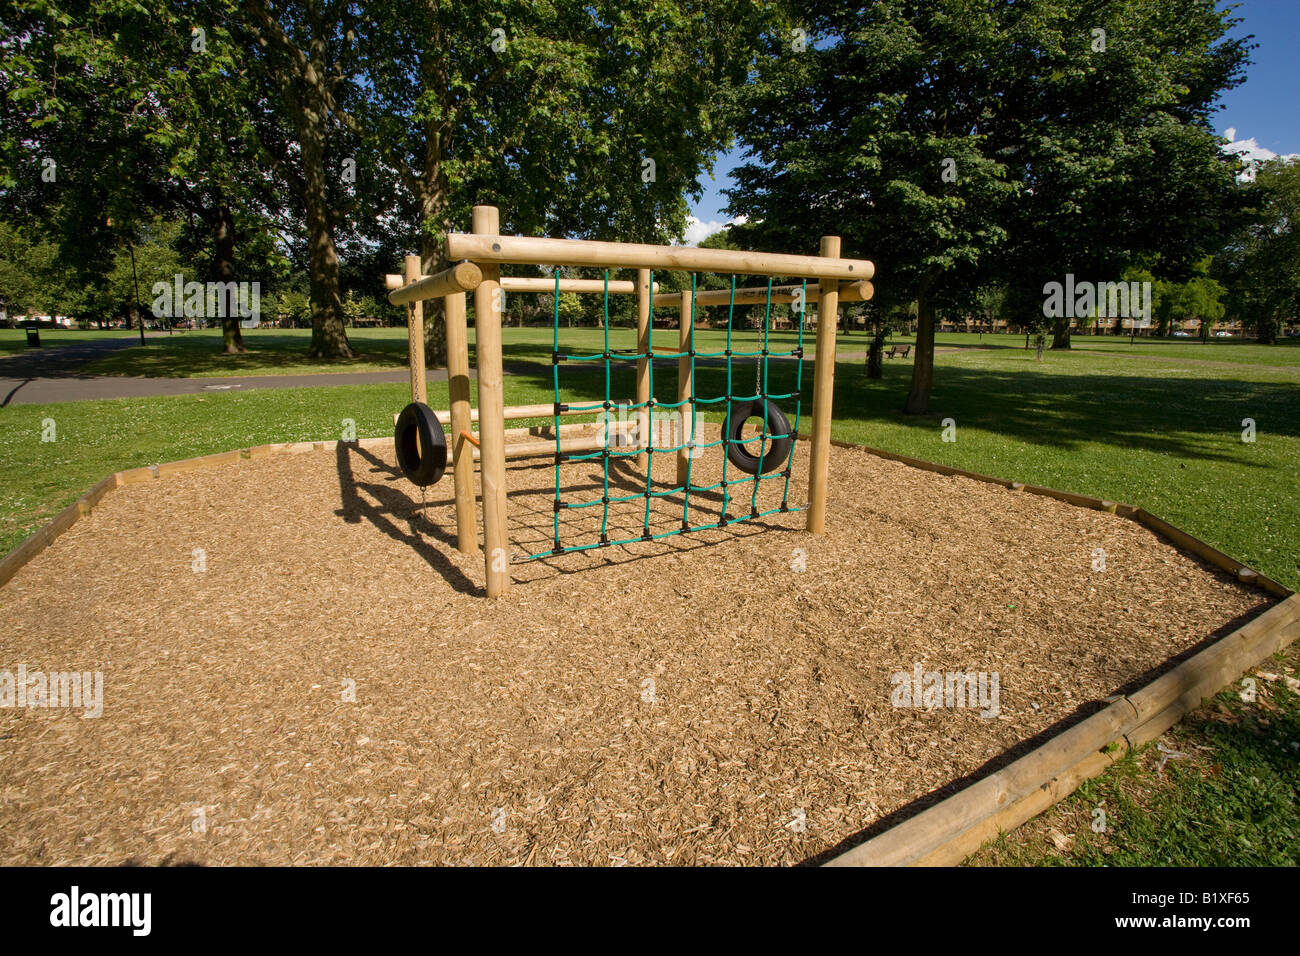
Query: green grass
<point x="13" y="341"/>
<point x="197" y="354"/>
<point x="1229" y="800"/>
<point x="1237" y="351"/>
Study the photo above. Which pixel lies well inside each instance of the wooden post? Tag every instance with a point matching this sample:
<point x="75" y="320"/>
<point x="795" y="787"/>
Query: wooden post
<point x="491" y="412"/>
<point x="415" y="332"/>
<point x="643" y="364"/>
<point x="823" y="392"/>
<point x="458" y="388"/>
<point x="685" y="386"/>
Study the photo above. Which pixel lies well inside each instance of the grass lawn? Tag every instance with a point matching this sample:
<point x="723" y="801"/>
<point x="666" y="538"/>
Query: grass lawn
<point x="1227" y="799"/>
<point x="198" y="354"/>
<point x="13" y="341"/>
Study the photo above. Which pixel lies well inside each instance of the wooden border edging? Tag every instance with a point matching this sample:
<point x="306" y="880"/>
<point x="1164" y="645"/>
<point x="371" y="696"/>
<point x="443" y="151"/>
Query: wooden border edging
<point x="946" y="833"/>
<point x="951" y="830"/>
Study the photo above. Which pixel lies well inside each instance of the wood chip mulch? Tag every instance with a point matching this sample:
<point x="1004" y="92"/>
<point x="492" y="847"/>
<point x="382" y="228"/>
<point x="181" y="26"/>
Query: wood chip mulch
<point x="333" y="688"/>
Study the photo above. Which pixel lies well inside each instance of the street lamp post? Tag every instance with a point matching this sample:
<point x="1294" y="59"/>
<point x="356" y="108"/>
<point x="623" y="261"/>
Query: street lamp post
<point x="135" y="281"/>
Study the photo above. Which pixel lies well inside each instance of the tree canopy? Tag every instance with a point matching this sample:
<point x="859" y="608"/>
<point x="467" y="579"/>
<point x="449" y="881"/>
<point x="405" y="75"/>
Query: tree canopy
<point x="956" y="142"/>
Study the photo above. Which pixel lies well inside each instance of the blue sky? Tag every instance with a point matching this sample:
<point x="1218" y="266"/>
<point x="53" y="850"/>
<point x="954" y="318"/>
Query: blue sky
<point x="1265" y="108"/>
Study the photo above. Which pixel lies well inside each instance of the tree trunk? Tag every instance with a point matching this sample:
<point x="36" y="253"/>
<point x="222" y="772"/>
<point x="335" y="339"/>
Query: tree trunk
<point x="224" y="235"/>
<point x="1266" y="331"/>
<point x="433" y="259"/>
<point x="876" y="354"/>
<point x="918" y="399"/>
<point x="329" y="337"/>
<point x="434" y="195"/>
<point x="1061" y="333"/>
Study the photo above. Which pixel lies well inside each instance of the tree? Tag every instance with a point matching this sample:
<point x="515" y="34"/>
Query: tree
<point x="154" y="87"/>
<point x="1112" y="142"/>
<point x="876" y="129"/>
<point x="32" y="280"/>
<point x="576" y="118"/>
<point x="955" y="142"/>
<point x="1261" y="264"/>
<point x="307" y="55"/>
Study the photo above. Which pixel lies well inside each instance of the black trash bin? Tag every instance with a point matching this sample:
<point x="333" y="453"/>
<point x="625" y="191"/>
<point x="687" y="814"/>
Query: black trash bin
<point x="33" y="338"/>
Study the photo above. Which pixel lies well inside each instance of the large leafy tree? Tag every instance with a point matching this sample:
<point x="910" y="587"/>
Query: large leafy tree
<point x="576" y="118"/>
<point x="116" y="111"/>
<point x="1110" y="137"/>
<point x="958" y="142"/>
<point x="877" y="128"/>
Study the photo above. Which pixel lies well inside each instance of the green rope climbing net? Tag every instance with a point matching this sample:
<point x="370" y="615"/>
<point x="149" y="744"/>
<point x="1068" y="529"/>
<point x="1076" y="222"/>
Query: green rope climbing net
<point x="609" y="357"/>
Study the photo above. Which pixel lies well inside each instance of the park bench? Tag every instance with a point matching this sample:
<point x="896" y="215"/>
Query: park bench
<point x="898" y="351"/>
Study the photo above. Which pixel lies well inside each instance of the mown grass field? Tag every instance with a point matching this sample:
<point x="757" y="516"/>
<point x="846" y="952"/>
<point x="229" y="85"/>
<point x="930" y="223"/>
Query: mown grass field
<point x="13" y="341"/>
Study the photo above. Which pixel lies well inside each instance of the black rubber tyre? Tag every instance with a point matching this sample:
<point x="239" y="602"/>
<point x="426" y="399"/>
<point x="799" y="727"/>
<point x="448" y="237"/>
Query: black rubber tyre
<point x="418" y="428"/>
<point x="778" y="449"/>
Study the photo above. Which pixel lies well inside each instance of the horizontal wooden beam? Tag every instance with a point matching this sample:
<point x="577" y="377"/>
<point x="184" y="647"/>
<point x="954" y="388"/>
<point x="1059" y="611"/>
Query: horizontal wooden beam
<point x="857" y="291"/>
<point x="514" y="413"/>
<point x="574" y="439"/>
<point x="462" y="277"/>
<point x="542" y="284"/>
<point x="625" y="255"/>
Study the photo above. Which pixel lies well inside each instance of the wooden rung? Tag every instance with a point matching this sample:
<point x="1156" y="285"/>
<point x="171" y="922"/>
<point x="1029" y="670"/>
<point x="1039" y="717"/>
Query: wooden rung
<point x="517" y="412"/>
<point x="857" y="291"/>
<point x="541" y="284"/>
<point x="569" y="442"/>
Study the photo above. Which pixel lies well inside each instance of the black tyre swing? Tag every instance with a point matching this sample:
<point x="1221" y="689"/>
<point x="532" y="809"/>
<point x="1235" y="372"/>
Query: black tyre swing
<point x="778" y="449"/>
<point x="421" y="445"/>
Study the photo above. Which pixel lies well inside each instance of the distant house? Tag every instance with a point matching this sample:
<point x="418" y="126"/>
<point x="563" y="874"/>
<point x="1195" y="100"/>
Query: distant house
<point x="60" y="320"/>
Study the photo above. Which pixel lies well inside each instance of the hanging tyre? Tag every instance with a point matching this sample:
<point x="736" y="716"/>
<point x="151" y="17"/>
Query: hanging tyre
<point x="421" y="444"/>
<point x="778" y="448"/>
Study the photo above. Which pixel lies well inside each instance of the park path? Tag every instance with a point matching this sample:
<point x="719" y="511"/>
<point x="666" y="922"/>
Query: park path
<point x="52" y="375"/>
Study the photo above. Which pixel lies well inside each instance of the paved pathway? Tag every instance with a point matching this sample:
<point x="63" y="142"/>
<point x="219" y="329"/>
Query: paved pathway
<point x="54" y="375"/>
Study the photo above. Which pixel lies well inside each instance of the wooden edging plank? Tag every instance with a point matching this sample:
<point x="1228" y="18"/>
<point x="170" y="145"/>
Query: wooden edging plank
<point x="948" y="832"/>
<point x="38" y="541"/>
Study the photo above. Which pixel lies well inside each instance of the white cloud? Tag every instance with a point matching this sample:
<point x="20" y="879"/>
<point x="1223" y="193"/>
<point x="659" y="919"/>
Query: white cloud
<point x="697" y="230"/>
<point x="1251" y="153"/>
